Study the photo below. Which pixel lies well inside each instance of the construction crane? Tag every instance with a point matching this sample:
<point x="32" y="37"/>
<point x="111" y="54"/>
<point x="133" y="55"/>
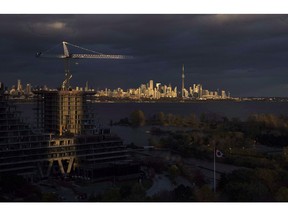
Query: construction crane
<point x="67" y="56"/>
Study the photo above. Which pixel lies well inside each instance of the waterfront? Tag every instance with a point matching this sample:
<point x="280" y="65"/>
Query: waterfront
<point x="107" y="112"/>
<point x="230" y="109"/>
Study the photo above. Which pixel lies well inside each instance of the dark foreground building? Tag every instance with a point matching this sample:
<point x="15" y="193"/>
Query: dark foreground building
<point x="67" y="140"/>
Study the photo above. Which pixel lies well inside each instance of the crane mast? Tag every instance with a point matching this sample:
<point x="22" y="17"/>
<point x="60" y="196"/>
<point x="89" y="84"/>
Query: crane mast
<point x="67" y="56"/>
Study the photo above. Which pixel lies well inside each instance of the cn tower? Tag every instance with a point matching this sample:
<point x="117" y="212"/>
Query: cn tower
<point x="183" y="76"/>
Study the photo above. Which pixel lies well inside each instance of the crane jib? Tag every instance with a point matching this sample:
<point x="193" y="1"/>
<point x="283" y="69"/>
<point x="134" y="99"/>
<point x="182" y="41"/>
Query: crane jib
<point x="98" y="56"/>
<point x="68" y="55"/>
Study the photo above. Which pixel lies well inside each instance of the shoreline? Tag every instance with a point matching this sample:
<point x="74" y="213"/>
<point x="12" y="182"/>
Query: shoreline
<point x="20" y="101"/>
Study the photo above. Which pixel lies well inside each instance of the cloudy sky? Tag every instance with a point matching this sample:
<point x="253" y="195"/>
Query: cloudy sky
<point x="244" y="54"/>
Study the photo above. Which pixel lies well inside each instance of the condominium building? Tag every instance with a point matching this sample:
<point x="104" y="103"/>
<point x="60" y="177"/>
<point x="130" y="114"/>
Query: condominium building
<point x="68" y="142"/>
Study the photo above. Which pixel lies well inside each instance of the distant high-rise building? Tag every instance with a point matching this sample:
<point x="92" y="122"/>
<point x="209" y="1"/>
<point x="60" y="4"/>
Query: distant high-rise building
<point x="175" y="91"/>
<point x="205" y="92"/>
<point x="194" y="88"/>
<point x="19" y="86"/>
<point x="183" y="77"/>
<point x="1" y="86"/>
<point x="191" y="91"/>
<point x="185" y="93"/>
<point x="143" y="89"/>
<point x="165" y="90"/>
<point x="28" y="89"/>
<point x="86" y="86"/>
<point x="223" y="94"/>
<point x="151" y="85"/>
<point x="200" y="91"/>
<point x="158" y="86"/>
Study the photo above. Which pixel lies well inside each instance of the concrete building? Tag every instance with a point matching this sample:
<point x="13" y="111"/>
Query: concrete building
<point x="64" y="112"/>
<point x="19" y="85"/>
<point x="28" y="89"/>
<point x="223" y="94"/>
<point x="66" y="141"/>
<point x="150" y="85"/>
<point x="21" y="148"/>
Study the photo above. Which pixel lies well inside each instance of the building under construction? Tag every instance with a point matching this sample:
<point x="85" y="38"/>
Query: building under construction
<point x="68" y="139"/>
<point x="21" y="149"/>
<point x="68" y="142"/>
<point x="65" y="112"/>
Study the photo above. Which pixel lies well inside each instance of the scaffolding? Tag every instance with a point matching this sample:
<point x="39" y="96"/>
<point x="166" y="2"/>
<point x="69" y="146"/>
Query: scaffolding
<point x="69" y="141"/>
<point x="65" y="112"/>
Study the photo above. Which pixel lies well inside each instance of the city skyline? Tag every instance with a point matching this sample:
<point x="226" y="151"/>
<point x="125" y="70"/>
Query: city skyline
<point x="222" y="51"/>
<point x="245" y="54"/>
<point x="160" y="90"/>
<point x="150" y="90"/>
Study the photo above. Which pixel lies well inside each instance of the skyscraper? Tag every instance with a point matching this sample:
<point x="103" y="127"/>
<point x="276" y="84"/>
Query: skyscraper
<point x="65" y="112"/>
<point x="151" y="84"/>
<point x="19" y="86"/>
<point x="183" y="77"/>
<point x="28" y="89"/>
<point x="1" y="86"/>
<point x="83" y="145"/>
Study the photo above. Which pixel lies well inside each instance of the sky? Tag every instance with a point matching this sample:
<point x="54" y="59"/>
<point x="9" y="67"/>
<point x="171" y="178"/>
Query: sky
<point x="246" y="55"/>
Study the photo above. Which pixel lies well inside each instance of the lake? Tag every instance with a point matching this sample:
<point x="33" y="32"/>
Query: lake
<point x="115" y="111"/>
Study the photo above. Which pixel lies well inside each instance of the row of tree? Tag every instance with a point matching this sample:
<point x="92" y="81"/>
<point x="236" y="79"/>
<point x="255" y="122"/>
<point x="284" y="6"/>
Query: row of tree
<point x="16" y="188"/>
<point x="260" y="184"/>
<point x="266" y="129"/>
<point x="264" y="177"/>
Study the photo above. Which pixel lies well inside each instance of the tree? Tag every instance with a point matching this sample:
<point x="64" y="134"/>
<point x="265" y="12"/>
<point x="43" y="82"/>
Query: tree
<point x="137" y="193"/>
<point x="164" y="196"/>
<point x="245" y="185"/>
<point x="268" y="177"/>
<point x="16" y="187"/>
<point x="112" y="194"/>
<point x="204" y="194"/>
<point x="247" y="192"/>
<point x="137" y="118"/>
<point x="183" y="193"/>
<point x="154" y="142"/>
<point x="282" y="194"/>
<point x="199" y="178"/>
<point x="285" y="153"/>
<point x="170" y="119"/>
<point x="125" y="191"/>
<point x="50" y="197"/>
<point x="192" y="120"/>
<point x="160" y="117"/>
<point x="174" y="171"/>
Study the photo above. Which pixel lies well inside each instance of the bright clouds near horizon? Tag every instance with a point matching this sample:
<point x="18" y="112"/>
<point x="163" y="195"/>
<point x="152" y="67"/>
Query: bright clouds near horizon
<point x="56" y="25"/>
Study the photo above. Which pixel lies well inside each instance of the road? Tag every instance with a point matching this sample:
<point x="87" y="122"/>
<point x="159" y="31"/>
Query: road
<point x="206" y="167"/>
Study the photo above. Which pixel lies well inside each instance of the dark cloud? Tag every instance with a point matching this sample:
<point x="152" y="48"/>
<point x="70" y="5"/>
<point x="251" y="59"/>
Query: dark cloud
<point x="219" y="51"/>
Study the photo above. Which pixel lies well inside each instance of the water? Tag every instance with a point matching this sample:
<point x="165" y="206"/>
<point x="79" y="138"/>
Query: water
<point x="230" y="109"/>
<point x="115" y="111"/>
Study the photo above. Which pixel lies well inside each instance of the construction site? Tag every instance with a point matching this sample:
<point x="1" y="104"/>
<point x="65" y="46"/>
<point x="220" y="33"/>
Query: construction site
<point x="66" y="139"/>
